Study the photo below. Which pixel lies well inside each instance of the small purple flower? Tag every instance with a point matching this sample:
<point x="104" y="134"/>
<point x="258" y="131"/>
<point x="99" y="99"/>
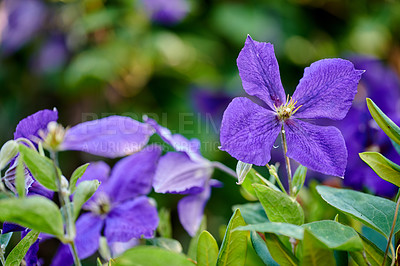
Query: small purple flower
<point x="23" y="19"/>
<point x="185" y="172"/>
<point x="326" y="90"/>
<point x="166" y="12"/>
<point x="119" y="209"/>
<point x="382" y="85"/>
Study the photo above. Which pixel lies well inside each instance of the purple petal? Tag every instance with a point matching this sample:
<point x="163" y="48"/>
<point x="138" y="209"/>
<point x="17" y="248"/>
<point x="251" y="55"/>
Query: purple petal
<point x="30" y="126"/>
<point x="216" y="183"/>
<point x="327" y="89"/>
<point x="177" y="141"/>
<point x="88" y="230"/>
<point x="166" y="12"/>
<point x="191" y="210"/>
<point x="31" y="257"/>
<point x="63" y="256"/>
<point x="11" y="227"/>
<point x="132" y="219"/>
<point x="248" y="131"/>
<point x="133" y="175"/>
<point x="177" y="173"/>
<point x="113" y="136"/>
<point x="259" y="71"/>
<point x="321" y="149"/>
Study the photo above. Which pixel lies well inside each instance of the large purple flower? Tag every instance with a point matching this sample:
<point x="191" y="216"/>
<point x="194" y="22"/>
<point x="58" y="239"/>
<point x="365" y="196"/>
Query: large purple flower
<point x="185" y="172"/>
<point x="383" y="86"/>
<point x="327" y="89"/>
<point x="119" y="209"/>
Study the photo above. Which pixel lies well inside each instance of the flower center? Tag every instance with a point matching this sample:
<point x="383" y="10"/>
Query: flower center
<point x="286" y="110"/>
<point x="100" y="206"/>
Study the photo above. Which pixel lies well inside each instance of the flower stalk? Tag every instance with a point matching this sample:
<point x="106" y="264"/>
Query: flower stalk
<point x="390" y="236"/>
<point x="66" y="204"/>
<point x="287" y="161"/>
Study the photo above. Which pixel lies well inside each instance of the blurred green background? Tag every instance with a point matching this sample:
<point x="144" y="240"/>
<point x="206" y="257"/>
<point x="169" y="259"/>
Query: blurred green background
<point x="94" y="58"/>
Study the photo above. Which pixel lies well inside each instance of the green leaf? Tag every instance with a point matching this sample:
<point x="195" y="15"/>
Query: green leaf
<point x="151" y="256"/>
<point x="299" y="178"/>
<point x="98" y="262"/>
<point x="261" y="249"/>
<point x="234" y="246"/>
<point x="78" y="173"/>
<point x="192" y="251"/>
<point x="279" y="251"/>
<point x="315" y="253"/>
<point x="335" y="235"/>
<point x="84" y="191"/>
<point x="384" y="122"/>
<point x="250" y="179"/>
<point x="37" y="213"/>
<point x="20" y="177"/>
<point x="166" y="243"/>
<point x="285" y="229"/>
<point x="373" y="254"/>
<point x="19" y="251"/>
<point x="373" y="211"/>
<point x="41" y="167"/>
<point x="383" y="167"/>
<point x="278" y="206"/>
<point x="252" y="213"/>
<point x="207" y="250"/>
<point x="164" y="226"/>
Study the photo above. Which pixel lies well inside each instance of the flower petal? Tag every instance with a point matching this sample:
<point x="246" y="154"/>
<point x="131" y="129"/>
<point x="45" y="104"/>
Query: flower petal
<point x="259" y="71"/>
<point x="63" y="256"/>
<point x="321" y="149"/>
<point x="177" y="173"/>
<point x="132" y="219"/>
<point x="133" y="175"/>
<point x="177" y="141"/>
<point x="113" y="136"/>
<point x="30" y="126"/>
<point x="191" y="210"/>
<point x="327" y="89"/>
<point x="88" y="229"/>
<point x="248" y="131"/>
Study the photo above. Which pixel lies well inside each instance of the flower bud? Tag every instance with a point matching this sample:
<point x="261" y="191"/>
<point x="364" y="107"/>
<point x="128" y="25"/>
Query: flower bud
<point x="242" y="169"/>
<point x="7" y="153"/>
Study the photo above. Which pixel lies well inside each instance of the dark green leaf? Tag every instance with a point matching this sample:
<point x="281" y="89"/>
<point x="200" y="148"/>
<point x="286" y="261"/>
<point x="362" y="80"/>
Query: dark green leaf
<point x="384" y="122"/>
<point x="166" y="243"/>
<point x="373" y="211"/>
<point x="84" y="191"/>
<point x="383" y="167"/>
<point x="279" y="252"/>
<point x="207" y="250"/>
<point x="279" y="206"/>
<point x="285" y="229"/>
<point x="151" y="256"/>
<point x="37" y="213"/>
<point x="41" y="167"/>
<point x="315" y="253"/>
<point x="299" y="178"/>
<point x="335" y="235"/>
<point x="20" y="177"/>
<point x="78" y="173"/>
<point x="252" y="213"/>
<point x="261" y="249"/>
<point x="234" y="246"/>
<point x="371" y="253"/>
<point x="18" y="253"/>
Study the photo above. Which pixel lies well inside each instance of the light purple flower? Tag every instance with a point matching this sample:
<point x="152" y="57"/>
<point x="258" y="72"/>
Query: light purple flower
<point x="23" y="19"/>
<point x="326" y="90"/>
<point x="113" y="136"/>
<point x="119" y="208"/>
<point x="185" y="172"/>
<point x="166" y="12"/>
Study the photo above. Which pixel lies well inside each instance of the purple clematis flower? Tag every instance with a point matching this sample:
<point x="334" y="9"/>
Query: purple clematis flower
<point x="119" y="208"/>
<point x="382" y="85"/>
<point x="186" y="172"/>
<point x="23" y="18"/>
<point x="167" y="12"/>
<point x="327" y="89"/>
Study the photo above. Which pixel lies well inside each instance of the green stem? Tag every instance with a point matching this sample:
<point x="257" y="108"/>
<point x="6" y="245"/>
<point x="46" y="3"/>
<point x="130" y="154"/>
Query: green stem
<point x="275" y="175"/>
<point x="66" y="204"/>
<point x="287" y="161"/>
<point x="2" y="258"/>
<point x="391" y="233"/>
